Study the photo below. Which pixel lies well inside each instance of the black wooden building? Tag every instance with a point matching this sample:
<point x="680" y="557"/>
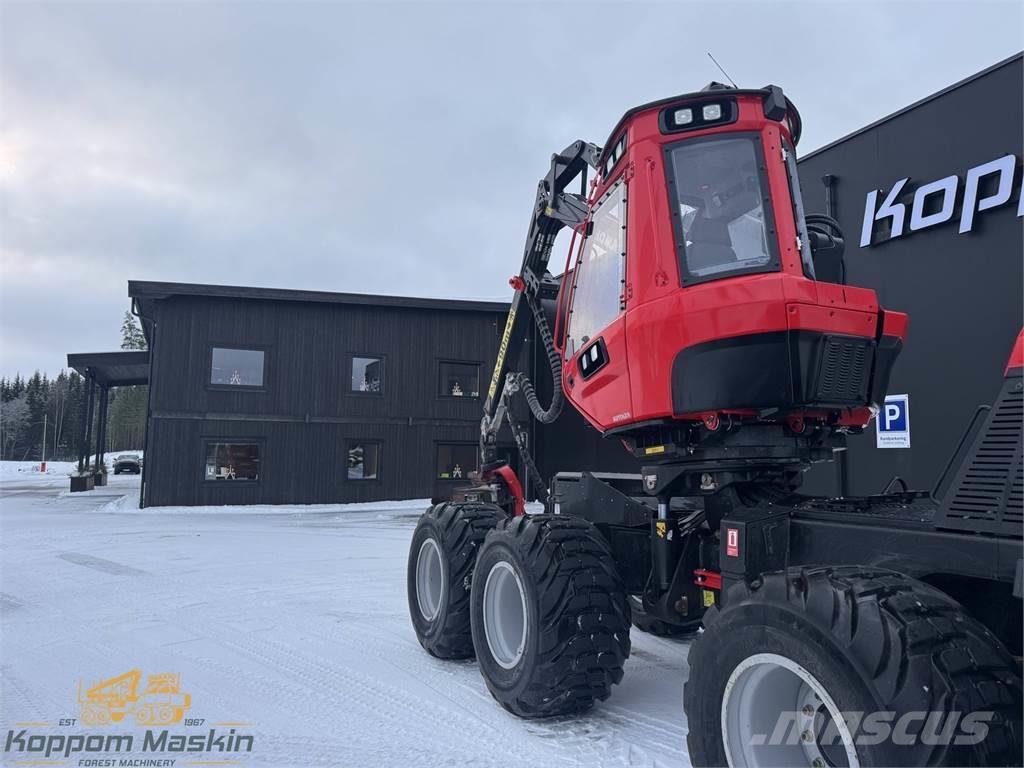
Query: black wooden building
<point x="265" y="396"/>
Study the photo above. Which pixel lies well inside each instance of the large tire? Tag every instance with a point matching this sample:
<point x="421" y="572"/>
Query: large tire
<point x="874" y="641"/>
<point x="449" y="534"/>
<point x="562" y="583"/>
<point x="655" y="626"/>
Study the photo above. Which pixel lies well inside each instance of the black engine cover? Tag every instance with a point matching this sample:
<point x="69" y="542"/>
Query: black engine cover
<point x="782" y="369"/>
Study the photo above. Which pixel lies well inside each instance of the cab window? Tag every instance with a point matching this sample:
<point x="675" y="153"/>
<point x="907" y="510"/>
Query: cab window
<point x="597" y="299"/>
<point x="719" y="190"/>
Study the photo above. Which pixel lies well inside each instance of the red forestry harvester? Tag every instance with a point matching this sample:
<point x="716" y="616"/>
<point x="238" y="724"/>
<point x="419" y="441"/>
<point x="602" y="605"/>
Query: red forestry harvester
<point x="688" y="323"/>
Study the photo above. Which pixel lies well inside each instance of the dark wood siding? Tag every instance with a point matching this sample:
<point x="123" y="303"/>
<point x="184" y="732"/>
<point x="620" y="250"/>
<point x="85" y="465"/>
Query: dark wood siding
<point x="304" y="414"/>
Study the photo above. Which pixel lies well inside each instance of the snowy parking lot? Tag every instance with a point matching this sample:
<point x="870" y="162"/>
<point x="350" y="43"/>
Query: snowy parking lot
<point x="289" y="624"/>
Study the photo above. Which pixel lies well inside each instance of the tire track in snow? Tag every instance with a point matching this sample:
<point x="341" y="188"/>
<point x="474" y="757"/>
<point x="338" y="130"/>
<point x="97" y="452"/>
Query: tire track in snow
<point x="423" y="714"/>
<point x="317" y="678"/>
<point x="590" y="730"/>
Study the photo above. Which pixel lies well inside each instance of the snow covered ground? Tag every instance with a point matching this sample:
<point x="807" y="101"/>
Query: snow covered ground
<point x="30" y="471"/>
<point x="291" y="622"/>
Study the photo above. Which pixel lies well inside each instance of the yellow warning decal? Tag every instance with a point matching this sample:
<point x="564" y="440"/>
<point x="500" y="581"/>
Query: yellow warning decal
<point x="709" y="597"/>
<point x="660" y="528"/>
<point x="500" y="363"/>
<point x="654" y="449"/>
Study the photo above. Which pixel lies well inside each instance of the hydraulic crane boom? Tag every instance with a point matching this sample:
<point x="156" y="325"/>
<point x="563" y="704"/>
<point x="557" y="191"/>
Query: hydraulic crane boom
<point x="554" y="208"/>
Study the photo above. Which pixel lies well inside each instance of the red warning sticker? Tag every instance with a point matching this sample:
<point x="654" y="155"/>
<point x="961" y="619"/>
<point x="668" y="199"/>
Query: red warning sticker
<point x="732" y="542"/>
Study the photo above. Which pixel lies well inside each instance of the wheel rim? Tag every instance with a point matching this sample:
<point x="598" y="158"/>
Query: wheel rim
<point x="429" y="579"/>
<point x="504" y="614"/>
<point x="767" y="687"/>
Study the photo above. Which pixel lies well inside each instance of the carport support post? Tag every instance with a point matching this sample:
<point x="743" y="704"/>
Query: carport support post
<point x="81" y="434"/>
<point x="101" y="430"/>
<point x="87" y="436"/>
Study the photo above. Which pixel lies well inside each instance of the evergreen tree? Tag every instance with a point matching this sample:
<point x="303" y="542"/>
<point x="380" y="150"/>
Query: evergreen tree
<point x="56" y="411"/>
<point x="71" y="432"/>
<point x="126" y="425"/>
<point x="35" y="397"/>
<point x="132" y="336"/>
<point x="14" y="420"/>
<point x="27" y="404"/>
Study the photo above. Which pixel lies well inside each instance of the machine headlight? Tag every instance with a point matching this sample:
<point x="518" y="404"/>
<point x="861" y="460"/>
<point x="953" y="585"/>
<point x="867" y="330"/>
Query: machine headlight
<point x="712" y="111"/>
<point x="683" y="116"/>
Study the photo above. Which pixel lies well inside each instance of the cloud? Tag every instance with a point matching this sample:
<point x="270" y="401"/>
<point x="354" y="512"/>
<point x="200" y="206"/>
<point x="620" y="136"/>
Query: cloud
<point x="390" y="148"/>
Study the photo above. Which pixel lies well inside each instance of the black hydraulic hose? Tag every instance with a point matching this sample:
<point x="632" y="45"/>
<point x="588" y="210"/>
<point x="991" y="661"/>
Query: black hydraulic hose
<point x="796" y="122"/>
<point x="531" y="466"/>
<point x="822" y="218"/>
<point x="540" y="413"/>
<point x="822" y="222"/>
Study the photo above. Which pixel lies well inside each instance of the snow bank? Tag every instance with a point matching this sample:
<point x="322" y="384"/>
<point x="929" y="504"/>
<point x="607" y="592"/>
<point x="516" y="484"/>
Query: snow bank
<point x="24" y="470"/>
<point x="21" y="470"/>
<point x="129" y="505"/>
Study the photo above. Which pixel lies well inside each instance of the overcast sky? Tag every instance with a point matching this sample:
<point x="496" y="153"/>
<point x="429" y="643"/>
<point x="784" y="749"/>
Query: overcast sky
<point x="378" y="148"/>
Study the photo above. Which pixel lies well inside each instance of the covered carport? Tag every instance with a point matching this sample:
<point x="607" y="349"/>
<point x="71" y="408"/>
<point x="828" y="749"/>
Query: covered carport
<point x="101" y="371"/>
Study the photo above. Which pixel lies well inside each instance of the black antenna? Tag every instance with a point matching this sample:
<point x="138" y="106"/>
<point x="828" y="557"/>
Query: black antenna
<point x="722" y="70"/>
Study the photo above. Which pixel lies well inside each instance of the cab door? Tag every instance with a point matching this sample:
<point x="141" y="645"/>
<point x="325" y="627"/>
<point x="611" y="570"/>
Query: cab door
<point x="596" y="376"/>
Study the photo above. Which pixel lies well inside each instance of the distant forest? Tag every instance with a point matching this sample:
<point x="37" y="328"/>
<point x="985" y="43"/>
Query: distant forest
<point x="27" y="404"/>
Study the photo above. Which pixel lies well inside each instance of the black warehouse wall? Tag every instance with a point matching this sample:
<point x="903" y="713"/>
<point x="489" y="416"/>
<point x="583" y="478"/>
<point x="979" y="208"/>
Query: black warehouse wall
<point x="963" y="292"/>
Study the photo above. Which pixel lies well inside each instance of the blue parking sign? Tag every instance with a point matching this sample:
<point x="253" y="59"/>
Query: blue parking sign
<point x="893" y="423"/>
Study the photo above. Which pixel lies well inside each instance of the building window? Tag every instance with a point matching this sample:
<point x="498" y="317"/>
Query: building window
<point x="456" y="460"/>
<point x="236" y="367"/>
<point x="363" y="461"/>
<point x="232" y="461"/>
<point x="459" y="379"/>
<point x="367" y="375"/>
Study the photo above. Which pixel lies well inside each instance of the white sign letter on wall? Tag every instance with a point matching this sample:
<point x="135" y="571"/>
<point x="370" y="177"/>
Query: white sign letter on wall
<point x="889" y="207"/>
<point x="974" y="200"/>
<point x="1004" y="166"/>
<point x="947" y="187"/>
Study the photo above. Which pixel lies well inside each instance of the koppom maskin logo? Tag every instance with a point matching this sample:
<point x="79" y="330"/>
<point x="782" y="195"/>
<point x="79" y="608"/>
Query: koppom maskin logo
<point x="109" y="701"/>
<point x="146" y="704"/>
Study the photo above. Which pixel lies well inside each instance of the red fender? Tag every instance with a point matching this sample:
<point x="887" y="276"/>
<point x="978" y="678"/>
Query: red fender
<point x="508" y="476"/>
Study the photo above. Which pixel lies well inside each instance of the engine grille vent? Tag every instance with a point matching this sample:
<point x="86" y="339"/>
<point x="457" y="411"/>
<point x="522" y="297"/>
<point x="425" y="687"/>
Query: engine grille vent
<point x="989" y="489"/>
<point x="844" y="371"/>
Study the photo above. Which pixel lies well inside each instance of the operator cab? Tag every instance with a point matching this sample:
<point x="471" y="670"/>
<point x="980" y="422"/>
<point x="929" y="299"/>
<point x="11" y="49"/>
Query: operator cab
<point x="692" y="295"/>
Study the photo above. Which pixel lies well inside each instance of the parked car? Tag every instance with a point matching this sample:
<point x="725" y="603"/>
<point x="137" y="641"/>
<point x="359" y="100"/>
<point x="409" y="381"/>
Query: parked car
<point x="127" y="463"/>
